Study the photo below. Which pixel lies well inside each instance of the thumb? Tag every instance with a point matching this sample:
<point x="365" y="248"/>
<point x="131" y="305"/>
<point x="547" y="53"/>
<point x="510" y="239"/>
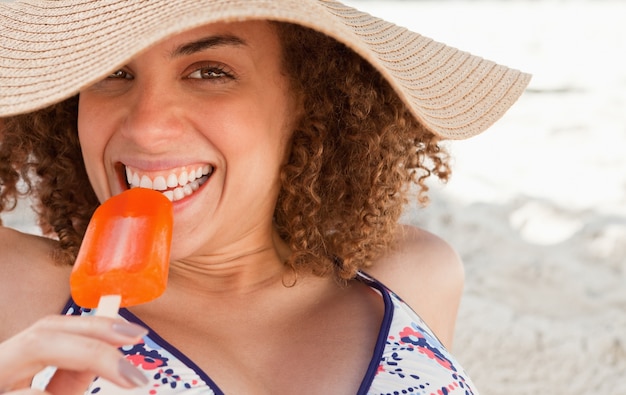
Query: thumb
<point x="72" y="382"/>
<point x="27" y="391"/>
<point x="66" y="382"/>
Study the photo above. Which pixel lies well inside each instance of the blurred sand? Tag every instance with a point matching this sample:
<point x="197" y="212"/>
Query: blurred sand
<point x="537" y="205"/>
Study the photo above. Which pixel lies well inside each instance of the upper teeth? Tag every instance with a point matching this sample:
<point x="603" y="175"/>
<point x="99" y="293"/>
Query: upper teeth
<point x="175" y="185"/>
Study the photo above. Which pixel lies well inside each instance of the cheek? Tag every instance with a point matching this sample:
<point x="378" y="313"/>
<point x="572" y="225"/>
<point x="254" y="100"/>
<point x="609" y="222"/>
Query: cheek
<point x="87" y="137"/>
<point x="85" y="121"/>
<point x="92" y="126"/>
<point x="92" y="137"/>
<point x="242" y="132"/>
<point x="253" y="144"/>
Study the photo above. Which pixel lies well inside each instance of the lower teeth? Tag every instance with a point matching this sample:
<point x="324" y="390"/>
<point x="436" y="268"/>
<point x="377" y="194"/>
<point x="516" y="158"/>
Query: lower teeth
<point x="182" y="192"/>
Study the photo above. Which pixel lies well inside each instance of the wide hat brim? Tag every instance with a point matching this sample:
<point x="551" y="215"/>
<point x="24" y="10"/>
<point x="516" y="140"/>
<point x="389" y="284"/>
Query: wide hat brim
<point x="51" y="49"/>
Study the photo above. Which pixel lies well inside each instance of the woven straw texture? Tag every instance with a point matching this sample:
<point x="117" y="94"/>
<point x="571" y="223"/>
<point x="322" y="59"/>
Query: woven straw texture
<point x="51" y="49"/>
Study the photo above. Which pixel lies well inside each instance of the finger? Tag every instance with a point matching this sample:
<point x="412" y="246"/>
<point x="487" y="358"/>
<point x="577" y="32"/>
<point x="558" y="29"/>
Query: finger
<point x="114" y="331"/>
<point x="70" y="382"/>
<point x="70" y="352"/>
<point x="79" y="354"/>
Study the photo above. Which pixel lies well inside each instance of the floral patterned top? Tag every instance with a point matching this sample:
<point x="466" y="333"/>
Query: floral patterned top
<point x="408" y="359"/>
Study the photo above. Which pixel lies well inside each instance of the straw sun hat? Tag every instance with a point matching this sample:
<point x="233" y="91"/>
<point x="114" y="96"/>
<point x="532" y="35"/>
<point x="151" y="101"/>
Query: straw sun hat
<point x="51" y="49"/>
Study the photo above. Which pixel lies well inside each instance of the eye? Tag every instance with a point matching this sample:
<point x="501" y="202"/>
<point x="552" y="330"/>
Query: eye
<point x="116" y="80"/>
<point x="120" y="75"/>
<point x="215" y="73"/>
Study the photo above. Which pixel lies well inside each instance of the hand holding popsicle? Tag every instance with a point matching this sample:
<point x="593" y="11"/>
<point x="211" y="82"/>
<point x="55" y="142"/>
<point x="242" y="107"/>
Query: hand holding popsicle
<point x="80" y="347"/>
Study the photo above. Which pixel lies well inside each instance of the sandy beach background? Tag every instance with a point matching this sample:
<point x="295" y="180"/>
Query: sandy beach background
<point x="537" y="205"/>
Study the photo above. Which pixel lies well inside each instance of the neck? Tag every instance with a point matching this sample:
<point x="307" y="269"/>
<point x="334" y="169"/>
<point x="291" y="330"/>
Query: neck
<point x="240" y="273"/>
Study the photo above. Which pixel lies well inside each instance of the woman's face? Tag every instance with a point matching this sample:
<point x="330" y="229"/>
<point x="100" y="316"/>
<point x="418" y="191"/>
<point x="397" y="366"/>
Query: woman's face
<point x="204" y="116"/>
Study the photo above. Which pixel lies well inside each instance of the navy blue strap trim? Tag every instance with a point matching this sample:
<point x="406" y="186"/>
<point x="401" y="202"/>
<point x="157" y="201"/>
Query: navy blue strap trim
<point x="383" y="334"/>
<point x="173" y="350"/>
<point x="69" y="304"/>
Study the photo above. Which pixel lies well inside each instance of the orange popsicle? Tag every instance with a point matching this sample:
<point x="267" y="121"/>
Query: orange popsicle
<point x="125" y="250"/>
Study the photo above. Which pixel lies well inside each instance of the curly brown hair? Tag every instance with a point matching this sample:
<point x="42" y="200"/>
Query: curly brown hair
<point x="42" y="150"/>
<point x="355" y="151"/>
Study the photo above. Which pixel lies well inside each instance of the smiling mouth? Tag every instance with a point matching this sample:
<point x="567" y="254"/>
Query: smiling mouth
<point x="175" y="184"/>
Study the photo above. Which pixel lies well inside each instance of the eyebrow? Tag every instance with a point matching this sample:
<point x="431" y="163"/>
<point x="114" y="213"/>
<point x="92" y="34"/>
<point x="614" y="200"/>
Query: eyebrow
<point x="207" y="43"/>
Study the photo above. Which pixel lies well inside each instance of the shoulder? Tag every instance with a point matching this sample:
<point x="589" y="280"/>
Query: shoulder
<point x="31" y="283"/>
<point x="17" y="247"/>
<point x="427" y="273"/>
<point x="418" y="258"/>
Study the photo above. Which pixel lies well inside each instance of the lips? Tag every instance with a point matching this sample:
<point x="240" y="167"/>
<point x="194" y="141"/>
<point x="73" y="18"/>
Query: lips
<point x="175" y="184"/>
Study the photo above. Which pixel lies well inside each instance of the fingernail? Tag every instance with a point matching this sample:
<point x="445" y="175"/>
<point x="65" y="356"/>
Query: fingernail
<point x="131" y="373"/>
<point x="129" y="329"/>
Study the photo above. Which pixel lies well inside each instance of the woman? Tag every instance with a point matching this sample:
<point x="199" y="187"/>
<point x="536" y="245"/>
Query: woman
<point x="290" y="154"/>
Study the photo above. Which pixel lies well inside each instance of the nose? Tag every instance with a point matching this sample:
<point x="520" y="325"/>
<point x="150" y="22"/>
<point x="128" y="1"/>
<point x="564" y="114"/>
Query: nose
<point x="153" y="118"/>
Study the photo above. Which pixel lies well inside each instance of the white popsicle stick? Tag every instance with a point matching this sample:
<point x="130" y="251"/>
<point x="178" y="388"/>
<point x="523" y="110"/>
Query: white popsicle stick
<point x="108" y="306"/>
